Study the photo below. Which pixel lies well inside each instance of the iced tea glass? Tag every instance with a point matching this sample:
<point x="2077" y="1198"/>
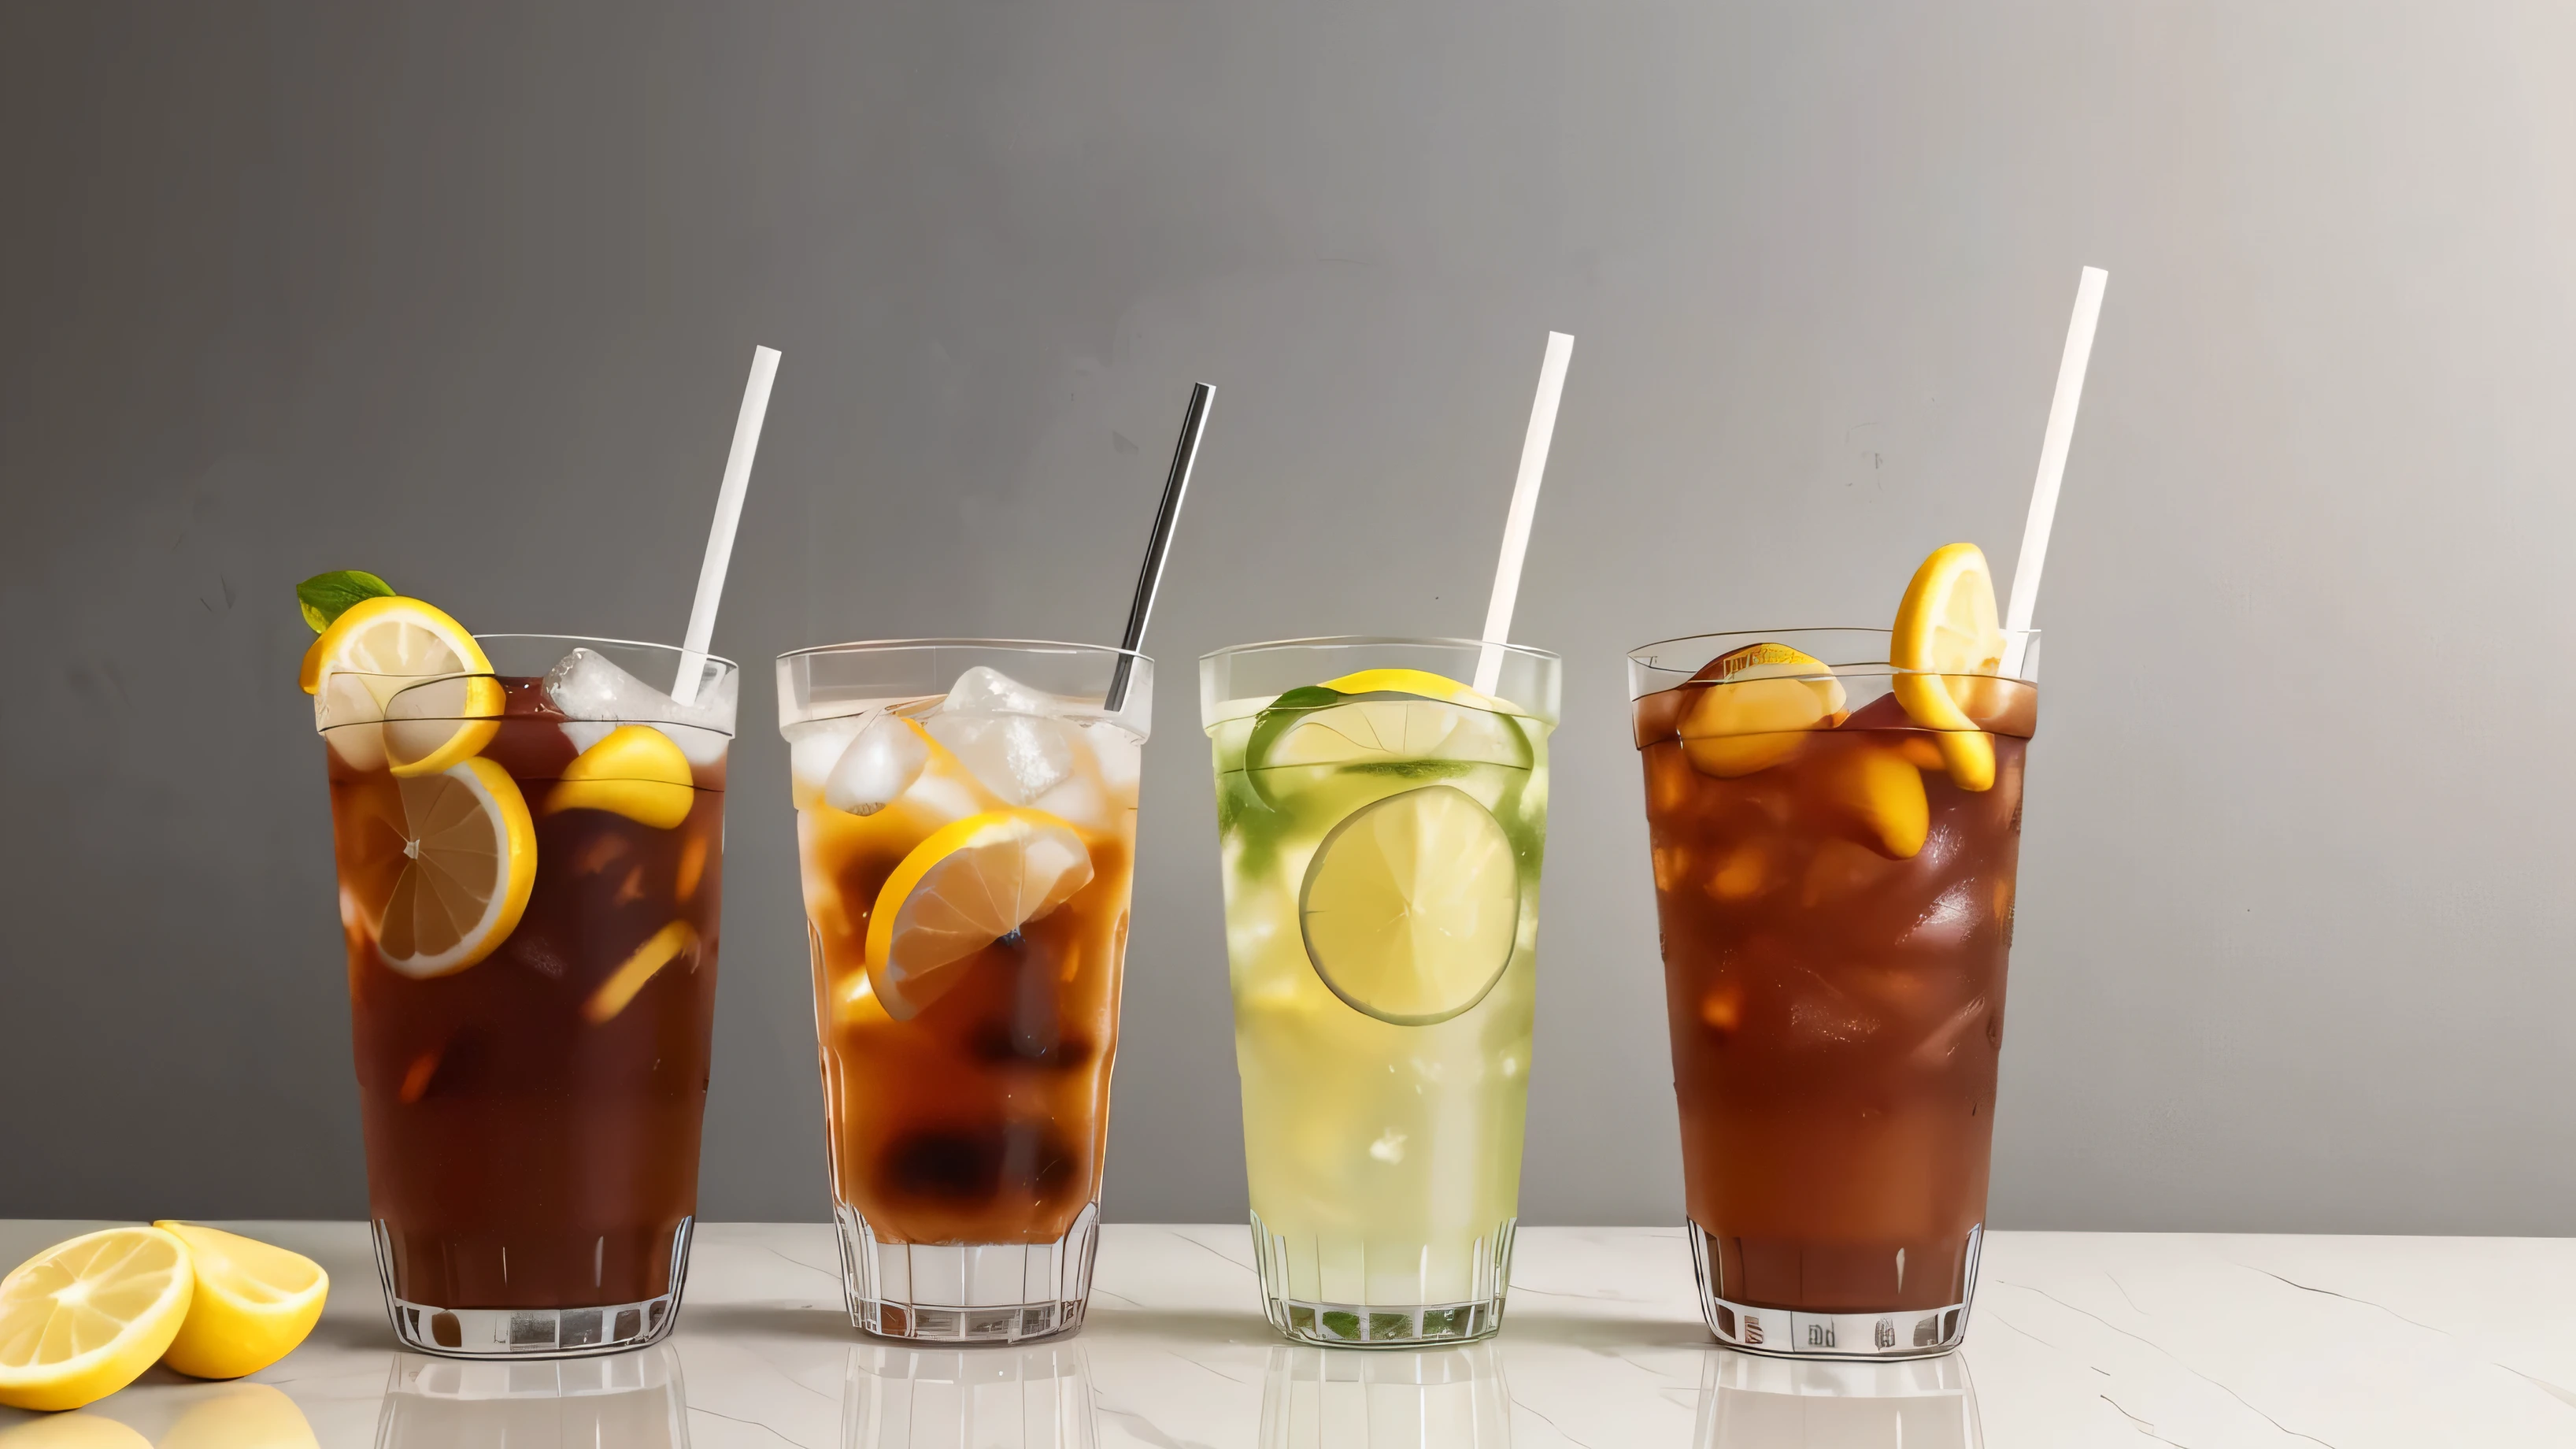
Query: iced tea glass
<point x="966" y="827"/>
<point x="1380" y="828"/>
<point x="1836" y="910"/>
<point x="531" y="1115"/>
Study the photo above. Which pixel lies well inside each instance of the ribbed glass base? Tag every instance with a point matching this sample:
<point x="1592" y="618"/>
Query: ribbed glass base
<point x="532" y="1332"/>
<point x="1790" y="1333"/>
<point x="1388" y="1321"/>
<point x="967" y="1292"/>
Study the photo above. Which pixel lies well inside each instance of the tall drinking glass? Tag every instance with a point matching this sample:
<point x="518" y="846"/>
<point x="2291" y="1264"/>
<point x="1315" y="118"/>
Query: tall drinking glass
<point x="1835" y="886"/>
<point x="530" y="864"/>
<point x="966" y="825"/>
<point x="1381" y="826"/>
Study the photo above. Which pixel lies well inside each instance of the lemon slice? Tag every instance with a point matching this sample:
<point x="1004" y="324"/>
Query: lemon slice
<point x="439" y="867"/>
<point x="1760" y="702"/>
<point x="971" y="883"/>
<point x="253" y="1303"/>
<point x="383" y="647"/>
<point x="1411" y="906"/>
<point x="636" y="771"/>
<point x="1946" y="632"/>
<point x="1414" y="681"/>
<point x="83" y="1318"/>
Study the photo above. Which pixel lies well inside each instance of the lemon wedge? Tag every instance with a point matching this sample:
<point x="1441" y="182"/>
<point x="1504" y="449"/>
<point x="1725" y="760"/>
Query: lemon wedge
<point x="1411" y="906"/>
<point x="1760" y="702"/>
<point x="1883" y="791"/>
<point x="383" y="647"/>
<point x="84" y="1318"/>
<point x="971" y="883"/>
<point x="636" y="771"/>
<point x="439" y="868"/>
<point x="253" y="1304"/>
<point x="1946" y="634"/>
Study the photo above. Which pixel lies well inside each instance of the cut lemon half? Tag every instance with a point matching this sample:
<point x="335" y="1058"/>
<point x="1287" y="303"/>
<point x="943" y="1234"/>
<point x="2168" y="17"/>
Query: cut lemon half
<point x="439" y="867"/>
<point x="1759" y="704"/>
<point x="971" y="883"/>
<point x="636" y="771"/>
<point x="1411" y="906"/>
<point x="84" y="1318"/>
<point x="254" y="1302"/>
<point x="1946" y="634"/>
<point x="380" y="648"/>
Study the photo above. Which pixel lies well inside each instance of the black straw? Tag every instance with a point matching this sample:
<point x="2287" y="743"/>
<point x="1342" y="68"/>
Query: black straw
<point x="1185" y="456"/>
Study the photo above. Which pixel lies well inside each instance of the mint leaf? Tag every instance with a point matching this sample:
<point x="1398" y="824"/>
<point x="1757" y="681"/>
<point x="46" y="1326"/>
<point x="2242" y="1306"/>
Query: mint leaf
<point x="325" y="597"/>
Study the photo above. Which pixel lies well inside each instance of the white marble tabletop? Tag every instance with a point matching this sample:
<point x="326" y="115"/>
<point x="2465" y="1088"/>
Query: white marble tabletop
<point x="2078" y="1338"/>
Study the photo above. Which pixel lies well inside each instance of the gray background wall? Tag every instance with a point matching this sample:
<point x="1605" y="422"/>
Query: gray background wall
<point x="465" y="293"/>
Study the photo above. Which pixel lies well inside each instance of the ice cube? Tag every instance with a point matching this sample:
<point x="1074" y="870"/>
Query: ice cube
<point x="1079" y="801"/>
<point x="1121" y="761"/>
<point x="815" y="746"/>
<point x="880" y="763"/>
<point x="989" y="691"/>
<point x="1016" y="756"/>
<point x="600" y="696"/>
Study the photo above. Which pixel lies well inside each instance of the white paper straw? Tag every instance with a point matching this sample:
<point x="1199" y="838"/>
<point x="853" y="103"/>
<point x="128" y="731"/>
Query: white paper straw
<point x="737" y="481"/>
<point x="2053" y="445"/>
<point x="1516" y="524"/>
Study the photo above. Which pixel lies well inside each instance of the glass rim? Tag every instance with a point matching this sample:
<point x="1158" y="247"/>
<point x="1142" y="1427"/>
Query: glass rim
<point x="680" y="649"/>
<point x="1363" y="640"/>
<point x="857" y="646"/>
<point x="1643" y="654"/>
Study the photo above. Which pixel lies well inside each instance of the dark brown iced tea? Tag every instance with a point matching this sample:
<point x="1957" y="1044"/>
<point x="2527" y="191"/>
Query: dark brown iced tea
<point x="532" y="1116"/>
<point x="1836" y="909"/>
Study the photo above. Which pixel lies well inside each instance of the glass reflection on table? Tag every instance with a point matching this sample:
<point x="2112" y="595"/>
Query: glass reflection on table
<point x="1748" y="1402"/>
<point x="628" y="1399"/>
<point x="1033" y="1397"/>
<point x="1340" y="1398"/>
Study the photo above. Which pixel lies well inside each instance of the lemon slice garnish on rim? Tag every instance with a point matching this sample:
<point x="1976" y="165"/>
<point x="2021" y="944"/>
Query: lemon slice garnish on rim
<point x="635" y="771"/>
<point x="1411" y="906"/>
<point x="383" y="647"/>
<point x="86" y="1317"/>
<point x="1946" y="634"/>
<point x="440" y="866"/>
<point x="254" y="1302"/>
<point x="971" y="883"/>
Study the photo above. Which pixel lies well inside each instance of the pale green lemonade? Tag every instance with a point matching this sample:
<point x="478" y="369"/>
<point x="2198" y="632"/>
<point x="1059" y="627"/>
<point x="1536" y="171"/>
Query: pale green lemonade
<point x="1381" y="838"/>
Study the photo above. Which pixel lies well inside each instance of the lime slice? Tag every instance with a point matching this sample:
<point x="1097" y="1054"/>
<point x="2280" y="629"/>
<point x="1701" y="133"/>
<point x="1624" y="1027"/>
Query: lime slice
<point x="1322" y="724"/>
<point x="1411" y="906"/>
